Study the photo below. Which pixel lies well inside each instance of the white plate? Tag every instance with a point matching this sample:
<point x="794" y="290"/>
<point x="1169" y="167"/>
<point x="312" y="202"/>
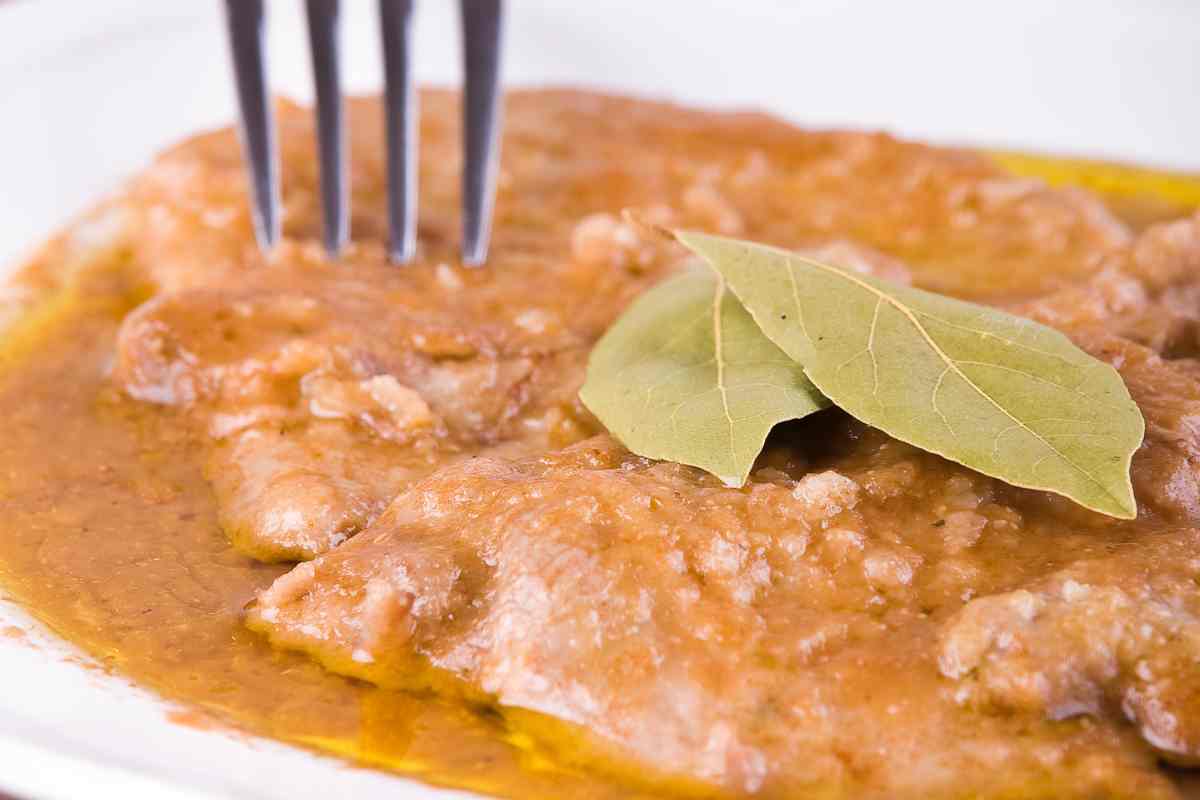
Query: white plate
<point x="89" y="90"/>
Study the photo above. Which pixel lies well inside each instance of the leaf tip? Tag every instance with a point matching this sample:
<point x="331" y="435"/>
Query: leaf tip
<point x="1117" y="504"/>
<point x="632" y="217"/>
<point x="1127" y="509"/>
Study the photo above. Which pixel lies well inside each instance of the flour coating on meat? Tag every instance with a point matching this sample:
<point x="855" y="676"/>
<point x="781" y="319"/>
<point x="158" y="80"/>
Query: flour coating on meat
<point x="861" y="620"/>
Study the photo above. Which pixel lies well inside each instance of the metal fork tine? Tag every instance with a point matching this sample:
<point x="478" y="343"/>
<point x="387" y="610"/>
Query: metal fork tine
<point x="323" y="35"/>
<point x="481" y="24"/>
<point x="245" y="20"/>
<point x="395" y="18"/>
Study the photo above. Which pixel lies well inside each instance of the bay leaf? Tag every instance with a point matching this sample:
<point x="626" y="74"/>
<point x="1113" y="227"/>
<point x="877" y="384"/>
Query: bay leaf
<point x="1001" y="394"/>
<point x="685" y="375"/>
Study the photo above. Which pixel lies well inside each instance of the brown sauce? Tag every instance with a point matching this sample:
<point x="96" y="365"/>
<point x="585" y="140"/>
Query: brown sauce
<point x="118" y="551"/>
<point x="110" y="536"/>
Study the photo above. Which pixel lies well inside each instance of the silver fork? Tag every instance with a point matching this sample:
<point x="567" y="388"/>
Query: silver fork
<point x="481" y="28"/>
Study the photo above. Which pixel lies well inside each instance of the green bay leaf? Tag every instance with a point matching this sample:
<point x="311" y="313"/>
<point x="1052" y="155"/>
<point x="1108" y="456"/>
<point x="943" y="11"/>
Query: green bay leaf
<point x="686" y="375"/>
<point x="1001" y="394"/>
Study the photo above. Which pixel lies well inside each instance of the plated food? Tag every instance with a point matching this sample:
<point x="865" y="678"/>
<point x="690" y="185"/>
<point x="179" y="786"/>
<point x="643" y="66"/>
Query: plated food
<point x="362" y="508"/>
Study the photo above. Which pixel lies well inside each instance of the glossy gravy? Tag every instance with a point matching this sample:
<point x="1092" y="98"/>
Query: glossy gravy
<point x="110" y="537"/>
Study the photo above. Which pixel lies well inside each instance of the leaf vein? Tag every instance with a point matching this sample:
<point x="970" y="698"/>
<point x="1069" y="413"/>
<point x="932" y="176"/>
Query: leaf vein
<point x="718" y="345"/>
<point x="992" y="335"/>
<point x="903" y="309"/>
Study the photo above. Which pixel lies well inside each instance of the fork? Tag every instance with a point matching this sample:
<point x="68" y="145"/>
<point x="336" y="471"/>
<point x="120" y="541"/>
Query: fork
<point x="481" y="32"/>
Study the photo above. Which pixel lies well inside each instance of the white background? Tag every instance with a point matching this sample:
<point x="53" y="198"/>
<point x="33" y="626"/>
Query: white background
<point x="90" y="89"/>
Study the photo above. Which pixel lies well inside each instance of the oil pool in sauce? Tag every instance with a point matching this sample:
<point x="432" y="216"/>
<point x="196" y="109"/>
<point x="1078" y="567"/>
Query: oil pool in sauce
<point x="110" y="538"/>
